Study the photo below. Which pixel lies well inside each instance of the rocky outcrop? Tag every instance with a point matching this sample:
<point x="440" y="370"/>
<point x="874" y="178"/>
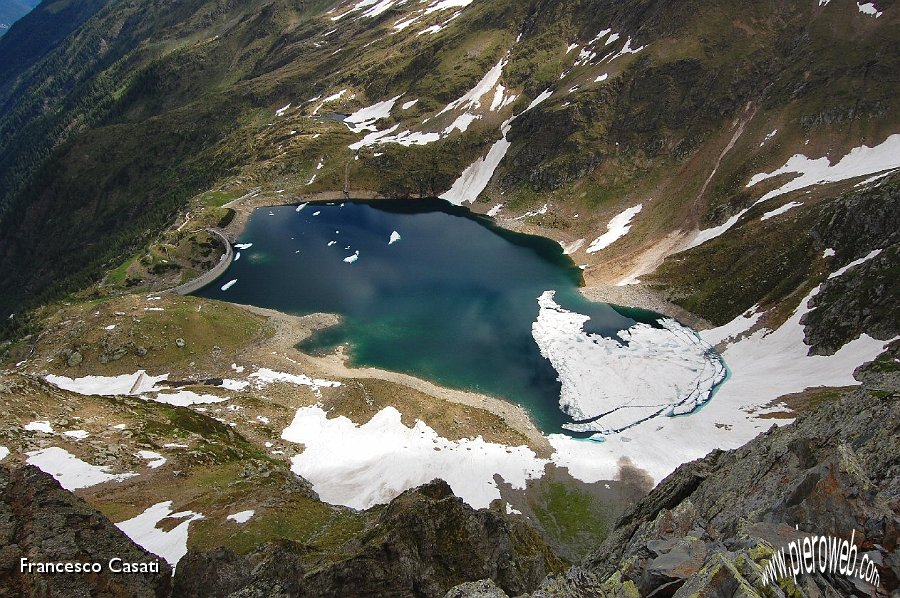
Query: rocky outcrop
<point x="865" y="298"/>
<point x="423" y="543"/>
<point x="710" y="528"/>
<point x="41" y="522"/>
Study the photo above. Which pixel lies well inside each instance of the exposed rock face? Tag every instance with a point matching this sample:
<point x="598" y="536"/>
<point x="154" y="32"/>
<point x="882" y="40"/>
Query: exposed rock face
<point x="710" y="527"/>
<point x="425" y="542"/>
<point x="44" y="523"/>
<point x="477" y="589"/>
<point x="865" y="298"/>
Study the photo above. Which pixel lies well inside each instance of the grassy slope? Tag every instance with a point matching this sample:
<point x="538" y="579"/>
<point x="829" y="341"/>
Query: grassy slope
<point x="171" y="110"/>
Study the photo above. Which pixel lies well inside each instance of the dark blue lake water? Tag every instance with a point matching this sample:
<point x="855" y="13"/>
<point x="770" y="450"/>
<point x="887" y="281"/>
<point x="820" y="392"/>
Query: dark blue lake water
<point x="452" y="300"/>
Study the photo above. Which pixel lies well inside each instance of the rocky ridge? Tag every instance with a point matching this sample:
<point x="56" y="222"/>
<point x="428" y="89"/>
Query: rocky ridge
<point x="708" y="529"/>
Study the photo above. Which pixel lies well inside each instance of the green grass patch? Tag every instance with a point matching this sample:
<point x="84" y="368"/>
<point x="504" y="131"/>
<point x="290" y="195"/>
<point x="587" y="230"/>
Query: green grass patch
<point x="569" y="513"/>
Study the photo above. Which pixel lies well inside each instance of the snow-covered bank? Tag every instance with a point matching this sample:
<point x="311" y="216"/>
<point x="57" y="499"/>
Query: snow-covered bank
<point x="139" y="383"/>
<point x="361" y="466"/>
<point x="859" y="161"/>
<point x="770" y="363"/>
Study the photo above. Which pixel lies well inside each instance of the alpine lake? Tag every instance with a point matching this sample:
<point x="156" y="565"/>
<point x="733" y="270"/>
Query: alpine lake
<point x="422" y="287"/>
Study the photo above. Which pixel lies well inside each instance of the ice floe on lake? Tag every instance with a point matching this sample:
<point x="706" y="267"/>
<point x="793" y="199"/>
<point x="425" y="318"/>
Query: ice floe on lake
<point x="612" y="384"/>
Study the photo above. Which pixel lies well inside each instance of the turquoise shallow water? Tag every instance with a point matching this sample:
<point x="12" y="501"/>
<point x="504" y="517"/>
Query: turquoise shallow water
<point x="452" y="301"/>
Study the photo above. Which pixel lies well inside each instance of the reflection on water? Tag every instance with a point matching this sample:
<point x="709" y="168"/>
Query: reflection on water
<point x="452" y="301"/>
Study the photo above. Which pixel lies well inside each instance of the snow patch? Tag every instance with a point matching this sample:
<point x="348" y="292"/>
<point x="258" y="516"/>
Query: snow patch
<point x="859" y="161"/>
<point x="462" y="123"/>
<point x="768" y="137"/>
<point x="364" y="119"/>
<point x="71" y="472"/>
<point x="854" y="263"/>
<point x="569" y="249"/>
<point x="472" y="99"/>
<point x="361" y="466"/>
<point x="153" y="458"/>
<point x="241" y="517"/>
<point x="439" y="5"/>
<point x="617" y="228"/>
<point x="170" y="545"/>
<point x="237" y="385"/>
<point x="265" y="376"/>
<point x="39" y="426"/>
<point x="125" y="384"/>
<point x="869" y="8"/>
<point x="779" y="211"/>
<point x="475" y="178"/>
<point x="183" y="398"/>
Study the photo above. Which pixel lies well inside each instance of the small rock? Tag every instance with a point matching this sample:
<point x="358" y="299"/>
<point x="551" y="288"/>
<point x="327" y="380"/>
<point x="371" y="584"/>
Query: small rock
<point x="179" y="342"/>
<point x="75" y="358"/>
<point x="486" y="588"/>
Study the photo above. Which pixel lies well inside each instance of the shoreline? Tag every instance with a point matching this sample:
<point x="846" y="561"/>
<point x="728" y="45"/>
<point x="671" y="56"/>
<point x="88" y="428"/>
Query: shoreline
<point x="633" y="295"/>
<point x="244" y="206"/>
<point x="290" y="330"/>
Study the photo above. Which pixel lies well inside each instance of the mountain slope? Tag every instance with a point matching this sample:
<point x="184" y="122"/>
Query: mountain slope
<point x="667" y="111"/>
<point x="733" y="164"/>
<point x="13" y="10"/>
